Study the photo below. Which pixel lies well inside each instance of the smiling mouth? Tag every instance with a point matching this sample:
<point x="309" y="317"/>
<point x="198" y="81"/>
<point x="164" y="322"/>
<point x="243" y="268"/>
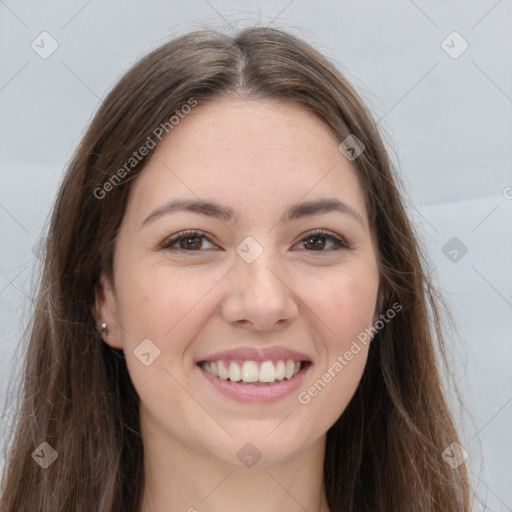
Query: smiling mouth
<point x="252" y="372"/>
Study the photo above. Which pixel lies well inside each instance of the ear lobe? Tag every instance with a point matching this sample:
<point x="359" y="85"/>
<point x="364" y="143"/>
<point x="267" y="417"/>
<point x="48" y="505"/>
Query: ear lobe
<point x="100" y="292"/>
<point x="105" y="310"/>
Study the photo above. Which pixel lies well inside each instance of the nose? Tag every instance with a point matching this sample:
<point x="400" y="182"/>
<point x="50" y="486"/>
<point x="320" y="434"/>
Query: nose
<point x="259" y="296"/>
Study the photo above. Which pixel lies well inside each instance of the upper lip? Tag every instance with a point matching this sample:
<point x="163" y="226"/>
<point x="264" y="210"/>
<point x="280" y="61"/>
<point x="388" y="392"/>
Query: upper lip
<point x="256" y="354"/>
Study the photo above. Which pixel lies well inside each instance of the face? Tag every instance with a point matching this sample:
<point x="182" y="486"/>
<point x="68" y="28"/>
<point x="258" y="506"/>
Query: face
<point x="260" y="290"/>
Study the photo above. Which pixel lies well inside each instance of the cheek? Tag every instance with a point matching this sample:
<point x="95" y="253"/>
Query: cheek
<point x="332" y="387"/>
<point x="165" y="306"/>
<point x="153" y="299"/>
<point x="344" y="301"/>
<point x="345" y="304"/>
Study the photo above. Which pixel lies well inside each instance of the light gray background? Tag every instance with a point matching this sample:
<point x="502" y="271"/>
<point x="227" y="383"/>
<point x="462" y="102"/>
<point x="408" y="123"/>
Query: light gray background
<point x="448" y="124"/>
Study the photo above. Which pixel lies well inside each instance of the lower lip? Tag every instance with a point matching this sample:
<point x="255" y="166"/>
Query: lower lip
<point x="256" y="393"/>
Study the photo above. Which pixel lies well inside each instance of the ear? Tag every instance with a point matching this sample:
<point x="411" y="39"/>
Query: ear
<point x="105" y="310"/>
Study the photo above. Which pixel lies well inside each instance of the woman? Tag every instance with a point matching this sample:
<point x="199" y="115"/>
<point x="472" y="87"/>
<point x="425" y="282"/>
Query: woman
<point x="233" y="310"/>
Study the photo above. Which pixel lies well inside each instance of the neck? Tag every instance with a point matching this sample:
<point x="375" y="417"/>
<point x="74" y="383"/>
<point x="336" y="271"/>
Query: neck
<point x="181" y="478"/>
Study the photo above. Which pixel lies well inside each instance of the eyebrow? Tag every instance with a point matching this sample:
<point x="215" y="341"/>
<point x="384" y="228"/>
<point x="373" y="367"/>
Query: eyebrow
<point x="294" y="212"/>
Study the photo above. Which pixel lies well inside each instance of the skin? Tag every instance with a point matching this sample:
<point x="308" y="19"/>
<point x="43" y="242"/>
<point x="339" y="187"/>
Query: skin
<point x="258" y="157"/>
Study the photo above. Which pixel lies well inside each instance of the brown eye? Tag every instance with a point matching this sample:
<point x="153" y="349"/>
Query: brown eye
<point x="189" y="241"/>
<point x="317" y="241"/>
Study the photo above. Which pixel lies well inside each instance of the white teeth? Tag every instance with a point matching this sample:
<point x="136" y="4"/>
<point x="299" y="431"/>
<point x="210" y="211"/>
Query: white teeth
<point x="223" y="373"/>
<point x="290" y="367"/>
<point x="214" y="369"/>
<point x="267" y="372"/>
<point x="234" y="372"/>
<point x="251" y="371"/>
<point x="280" y="370"/>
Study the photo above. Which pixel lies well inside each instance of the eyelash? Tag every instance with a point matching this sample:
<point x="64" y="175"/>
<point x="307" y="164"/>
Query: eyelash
<point x="169" y="242"/>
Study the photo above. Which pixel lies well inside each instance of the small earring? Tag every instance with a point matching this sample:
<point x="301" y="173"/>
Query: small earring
<point x="102" y="328"/>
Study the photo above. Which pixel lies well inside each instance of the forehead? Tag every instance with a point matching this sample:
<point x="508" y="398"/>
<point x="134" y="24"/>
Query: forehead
<point x="250" y="127"/>
<point x="250" y="155"/>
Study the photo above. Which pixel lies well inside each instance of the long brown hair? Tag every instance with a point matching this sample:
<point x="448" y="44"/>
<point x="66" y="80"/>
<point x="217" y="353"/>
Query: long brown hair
<point x="385" y="451"/>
